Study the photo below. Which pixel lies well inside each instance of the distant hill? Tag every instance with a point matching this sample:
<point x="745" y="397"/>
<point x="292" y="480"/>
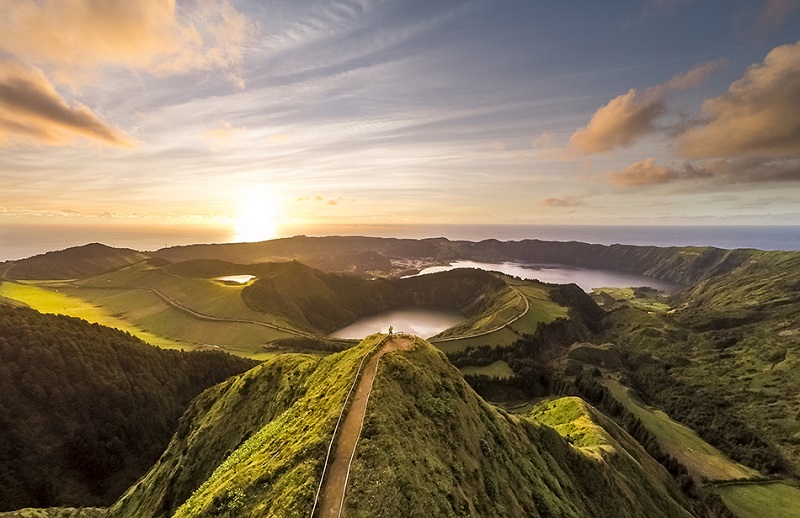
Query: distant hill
<point x="683" y="265"/>
<point x="85" y="409"/>
<point x="391" y="257"/>
<point x="74" y="263"/>
<point x="430" y="446"/>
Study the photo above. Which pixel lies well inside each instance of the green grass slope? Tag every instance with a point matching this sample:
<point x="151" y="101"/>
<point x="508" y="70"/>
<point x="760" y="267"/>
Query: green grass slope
<point x="253" y="446"/>
<point x="723" y="359"/>
<point x="431" y="447"/>
<point x="85" y="410"/>
<point x="760" y="500"/>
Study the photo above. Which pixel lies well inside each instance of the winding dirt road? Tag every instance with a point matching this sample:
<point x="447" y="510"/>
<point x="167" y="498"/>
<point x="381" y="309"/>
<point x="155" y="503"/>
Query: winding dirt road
<point x="334" y="484"/>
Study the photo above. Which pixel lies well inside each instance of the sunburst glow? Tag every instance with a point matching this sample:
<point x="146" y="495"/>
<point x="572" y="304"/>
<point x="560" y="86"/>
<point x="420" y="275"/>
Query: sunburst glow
<point x="258" y="217"/>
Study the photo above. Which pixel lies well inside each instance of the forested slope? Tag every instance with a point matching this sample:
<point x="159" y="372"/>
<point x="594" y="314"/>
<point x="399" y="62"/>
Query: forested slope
<point x="85" y="409"/>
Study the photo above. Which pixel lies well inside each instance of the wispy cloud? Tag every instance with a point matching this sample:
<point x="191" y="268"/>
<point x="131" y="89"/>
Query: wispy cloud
<point x="772" y="16"/>
<point x="34" y="112"/>
<point x="569" y="201"/>
<point x="721" y="172"/>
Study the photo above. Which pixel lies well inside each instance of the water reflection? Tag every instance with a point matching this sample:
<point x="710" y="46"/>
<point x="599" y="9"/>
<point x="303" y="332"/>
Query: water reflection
<point x="561" y="274"/>
<point x="424" y="322"/>
<point x="239" y="279"/>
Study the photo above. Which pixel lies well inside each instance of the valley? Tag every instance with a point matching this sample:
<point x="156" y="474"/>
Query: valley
<point x="695" y="384"/>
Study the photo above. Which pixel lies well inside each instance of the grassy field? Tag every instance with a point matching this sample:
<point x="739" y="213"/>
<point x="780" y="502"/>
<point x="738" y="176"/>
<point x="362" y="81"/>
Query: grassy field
<point x="498" y="369"/>
<point x="760" y="500"/>
<point x="145" y="315"/>
<point x="654" y="303"/>
<point x="700" y="458"/>
<point x="540" y="310"/>
<point x="51" y="301"/>
<point x="151" y="312"/>
<point x="204" y="296"/>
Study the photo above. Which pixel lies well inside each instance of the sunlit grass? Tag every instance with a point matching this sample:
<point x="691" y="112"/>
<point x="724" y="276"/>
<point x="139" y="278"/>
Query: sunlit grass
<point x="55" y="302"/>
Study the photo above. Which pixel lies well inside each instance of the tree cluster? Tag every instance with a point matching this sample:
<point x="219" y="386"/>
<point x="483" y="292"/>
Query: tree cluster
<point x="85" y="409"/>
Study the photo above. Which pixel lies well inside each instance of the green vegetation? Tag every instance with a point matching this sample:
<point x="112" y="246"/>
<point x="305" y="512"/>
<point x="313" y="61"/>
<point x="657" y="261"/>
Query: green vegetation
<point x="541" y="309"/>
<point x="56" y="512"/>
<point x="253" y="446"/>
<point x="58" y="303"/>
<point x="431" y="447"/>
<point x="698" y="378"/>
<point x="645" y="299"/>
<point x="571" y="418"/>
<point x="85" y="409"/>
<point x="759" y="500"/>
<point x="498" y="369"/>
<point x="701" y="459"/>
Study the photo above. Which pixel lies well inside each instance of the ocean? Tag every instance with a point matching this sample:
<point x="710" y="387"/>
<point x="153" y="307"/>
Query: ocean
<point x="19" y="241"/>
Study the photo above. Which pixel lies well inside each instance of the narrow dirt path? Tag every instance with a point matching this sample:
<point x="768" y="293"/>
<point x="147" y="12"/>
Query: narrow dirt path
<point x="335" y="483"/>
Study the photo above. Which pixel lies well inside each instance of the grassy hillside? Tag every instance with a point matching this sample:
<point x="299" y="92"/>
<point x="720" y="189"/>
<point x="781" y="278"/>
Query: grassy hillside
<point x="74" y="263"/>
<point x="702" y="460"/>
<point x="429" y="447"/>
<point x="253" y="446"/>
<point x="323" y="302"/>
<point x="59" y="303"/>
<point x="87" y="409"/>
<point x="722" y="359"/>
<point x="757" y="500"/>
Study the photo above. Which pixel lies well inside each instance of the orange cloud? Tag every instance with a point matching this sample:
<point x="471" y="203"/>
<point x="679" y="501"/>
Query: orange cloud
<point x="33" y="111"/>
<point x="759" y="115"/>
<point x="224" y="132"/>
<point x="630" y="116"/>
<point x="73" y="37"/>
<point x="693" y="77"/>
<point x="644" y="172"/>
<point x="499" y="145"/>
<point x="563" y="202"/>
<point x="748" y="171"/>
<point x="619" y="123"/>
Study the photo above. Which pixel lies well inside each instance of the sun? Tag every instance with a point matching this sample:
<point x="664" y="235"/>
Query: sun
<point x="258" y="216"/>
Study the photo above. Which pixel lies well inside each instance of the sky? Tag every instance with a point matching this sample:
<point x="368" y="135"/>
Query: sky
<point x="268" y="117"/>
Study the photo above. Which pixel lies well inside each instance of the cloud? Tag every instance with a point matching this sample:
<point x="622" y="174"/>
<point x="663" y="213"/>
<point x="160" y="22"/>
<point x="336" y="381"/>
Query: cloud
<point x="568" y="201"/>
<point x="543" y="141"/>
<point x="499" y="145"/>
<point x="33" y="111"/>
<point x="759" y="115"/>
<point x="773" y="16"/>
<point x="74" y="37"/>
<point x="224" y="132"/>
<point x="644" y="172"/>
<point x="722" y="172"/>
<point x="277" y="138"/>
<point x="619" y="123"/>
<point x="630" y="116"/>
<point x="694" y="77"/>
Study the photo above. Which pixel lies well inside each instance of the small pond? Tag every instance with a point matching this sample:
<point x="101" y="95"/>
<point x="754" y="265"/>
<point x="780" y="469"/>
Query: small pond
<point x="238" y="279"/>
<point x="425" y="322"/>
<point x="561" y="274"/>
